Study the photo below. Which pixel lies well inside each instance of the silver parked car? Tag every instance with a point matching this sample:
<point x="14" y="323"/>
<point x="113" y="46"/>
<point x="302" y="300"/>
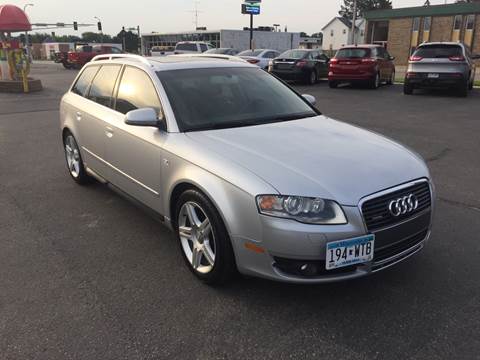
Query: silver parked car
<point x="441" y="65"/>
<point x="248" y="173"/>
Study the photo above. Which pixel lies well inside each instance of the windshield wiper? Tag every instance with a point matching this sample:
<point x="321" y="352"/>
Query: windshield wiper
<point x="252" y="122"/>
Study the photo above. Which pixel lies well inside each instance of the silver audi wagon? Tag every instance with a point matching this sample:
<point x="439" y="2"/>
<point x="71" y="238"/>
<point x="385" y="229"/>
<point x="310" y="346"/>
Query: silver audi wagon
<point x="250" y="176"/>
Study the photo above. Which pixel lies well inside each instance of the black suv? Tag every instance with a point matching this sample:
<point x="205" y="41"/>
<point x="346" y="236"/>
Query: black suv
<point x="300" y="64"/>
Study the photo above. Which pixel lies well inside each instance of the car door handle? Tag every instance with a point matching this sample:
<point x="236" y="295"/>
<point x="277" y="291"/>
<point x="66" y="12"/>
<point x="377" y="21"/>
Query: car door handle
<point x="109" y="132"/>
<point x="78" y="115"/>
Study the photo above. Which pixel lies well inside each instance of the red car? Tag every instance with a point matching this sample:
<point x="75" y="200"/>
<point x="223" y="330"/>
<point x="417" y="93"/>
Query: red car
<point x="370" y="64"/>
<point x="84" y="53"/>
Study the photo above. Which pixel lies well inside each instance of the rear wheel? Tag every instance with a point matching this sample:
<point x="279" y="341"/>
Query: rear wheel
<point x="391" y="81"/>
<point x="312" y="78"/>
<point x="333" y="84"/>
<point x="203" y="238"/>
<point x="66" y="65"/>
<point x="407" y="89"/>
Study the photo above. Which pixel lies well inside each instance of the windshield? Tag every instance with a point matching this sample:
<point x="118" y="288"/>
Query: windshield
<point x="352" y="53"/>
<point x="293" y="54"/>
<point x="217" y="98"/>
<point x="186" y="47"/>
<point x="438" y="51"/>
<point x="250" y="53"/>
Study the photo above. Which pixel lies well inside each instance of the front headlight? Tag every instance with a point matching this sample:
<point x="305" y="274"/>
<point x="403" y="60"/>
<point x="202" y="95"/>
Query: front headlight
<point x="303" y="209"/>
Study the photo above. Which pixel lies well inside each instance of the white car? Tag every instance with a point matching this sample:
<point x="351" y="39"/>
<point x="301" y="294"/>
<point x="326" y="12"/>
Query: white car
<point x="259" y="57"/>
<point x="192" y="47"/>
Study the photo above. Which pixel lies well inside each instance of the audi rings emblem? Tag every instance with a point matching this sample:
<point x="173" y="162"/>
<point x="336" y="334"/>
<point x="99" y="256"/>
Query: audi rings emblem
<point x="404" y="205"/>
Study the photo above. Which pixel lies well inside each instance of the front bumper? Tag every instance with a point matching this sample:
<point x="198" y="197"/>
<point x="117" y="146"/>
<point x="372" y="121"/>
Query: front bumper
<point x="295" y="252"/>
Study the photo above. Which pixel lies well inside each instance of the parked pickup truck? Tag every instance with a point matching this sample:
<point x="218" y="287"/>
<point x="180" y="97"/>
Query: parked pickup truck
<point x="82" y="54"/>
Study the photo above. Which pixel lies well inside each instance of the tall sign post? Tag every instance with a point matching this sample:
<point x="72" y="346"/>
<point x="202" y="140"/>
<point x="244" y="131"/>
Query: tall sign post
<point x="252" y="8"/>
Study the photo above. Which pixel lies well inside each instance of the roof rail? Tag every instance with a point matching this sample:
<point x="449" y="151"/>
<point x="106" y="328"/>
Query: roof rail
<point x="122" y="56"/>
<point x="213" y="56"/>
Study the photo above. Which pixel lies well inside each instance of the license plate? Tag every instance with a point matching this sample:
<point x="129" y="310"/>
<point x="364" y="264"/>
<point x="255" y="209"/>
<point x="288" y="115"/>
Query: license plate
<point x="350" y="252"/>
<point x="433" y="76"/>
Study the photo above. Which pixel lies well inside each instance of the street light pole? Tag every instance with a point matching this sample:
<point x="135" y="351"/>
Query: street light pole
<point x="27" y="49"/>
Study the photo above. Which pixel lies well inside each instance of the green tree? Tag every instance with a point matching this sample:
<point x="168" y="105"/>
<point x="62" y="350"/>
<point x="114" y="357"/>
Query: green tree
<point x="131" y="40"/>
<point x="363" y="6"/>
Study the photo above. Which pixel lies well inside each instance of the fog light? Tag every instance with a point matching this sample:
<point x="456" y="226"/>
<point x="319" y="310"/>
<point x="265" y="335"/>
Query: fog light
<point x="308" y="269"/>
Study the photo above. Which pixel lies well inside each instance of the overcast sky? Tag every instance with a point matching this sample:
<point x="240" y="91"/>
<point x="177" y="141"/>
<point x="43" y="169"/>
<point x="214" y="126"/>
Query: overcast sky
<point x="175" y="15"/>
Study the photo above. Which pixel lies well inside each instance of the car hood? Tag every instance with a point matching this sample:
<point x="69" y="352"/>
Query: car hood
<point x="317" y="157"/>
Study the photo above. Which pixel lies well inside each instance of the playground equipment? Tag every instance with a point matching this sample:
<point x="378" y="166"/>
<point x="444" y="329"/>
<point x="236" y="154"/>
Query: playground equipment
<point x="14" y="63"/>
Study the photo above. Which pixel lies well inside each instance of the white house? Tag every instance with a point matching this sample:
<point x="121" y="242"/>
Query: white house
<point x="338" y="32"/>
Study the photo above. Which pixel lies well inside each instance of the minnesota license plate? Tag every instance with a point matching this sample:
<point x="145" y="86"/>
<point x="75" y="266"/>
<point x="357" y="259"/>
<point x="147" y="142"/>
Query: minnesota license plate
<point x="350" y="252"/>
<point x="433" y="76"/>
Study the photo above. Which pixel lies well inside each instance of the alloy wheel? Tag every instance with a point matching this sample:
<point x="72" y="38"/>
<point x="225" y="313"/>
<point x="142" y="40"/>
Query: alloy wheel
<point x="72" y="154"/>
<point x="197" y="237"/>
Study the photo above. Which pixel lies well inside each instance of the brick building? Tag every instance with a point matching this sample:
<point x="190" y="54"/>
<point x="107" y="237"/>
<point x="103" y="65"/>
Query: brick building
<point x="403" y="29"/>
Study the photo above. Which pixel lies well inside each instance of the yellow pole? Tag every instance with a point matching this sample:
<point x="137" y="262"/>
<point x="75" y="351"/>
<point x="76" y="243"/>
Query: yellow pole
<point x="25" y="82"/>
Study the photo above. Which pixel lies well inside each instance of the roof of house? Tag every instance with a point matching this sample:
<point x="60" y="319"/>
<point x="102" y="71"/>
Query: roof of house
<point x="345" y="22"/>
<point x="432" y="10"/>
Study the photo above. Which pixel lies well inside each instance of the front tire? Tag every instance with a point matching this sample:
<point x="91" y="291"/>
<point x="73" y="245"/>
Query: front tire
<point x="391" y="81"/>
<point x="375" y="82"/>
<point x="74" y="160"/>
<point x="333" y="84"/>
<point x="312" y="78"/>
<point x="203" y="239"/>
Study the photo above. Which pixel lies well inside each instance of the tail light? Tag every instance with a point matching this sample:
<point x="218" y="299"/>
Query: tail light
<point x="333" y="61"/>
<point x="457" y="58"/>
<point x="415" y="58"/>
<point x="301" y="63"/>
<point x="369" y="60"/>
<point x="253" y="61"/>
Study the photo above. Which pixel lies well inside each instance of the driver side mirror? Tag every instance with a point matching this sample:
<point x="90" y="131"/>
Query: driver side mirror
<point x="311" y="99"/>
<point x="144" y="117"/>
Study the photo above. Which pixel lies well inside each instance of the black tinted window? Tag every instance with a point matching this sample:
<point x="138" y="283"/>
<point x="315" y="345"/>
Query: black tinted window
<point x="136" y="91"/>
<point x="101" y="90"/>
<point x="228" y="97"/>
<point x="294" y="54"/>
<point x="115" y="50"/>
<point x="203" y="47"/>
<point x="187" y="47"/>
<point x="83" y="82"/>
<point x="353" y="53"/>
<point x="438" y="51"/>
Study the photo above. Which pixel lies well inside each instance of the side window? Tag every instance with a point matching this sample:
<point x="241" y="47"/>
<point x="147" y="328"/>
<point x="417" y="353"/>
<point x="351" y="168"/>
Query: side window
<point x="83" y="82"/>
<point x="136" y="91"/>
<point x="203" y="47"/>
<point x="115" y="50"/>
<point x="101" y="90"/>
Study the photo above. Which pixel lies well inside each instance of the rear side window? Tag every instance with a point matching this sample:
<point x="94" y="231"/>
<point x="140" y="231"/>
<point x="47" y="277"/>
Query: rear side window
<point x="101" y="90"/>
<point x="438" y="51"/>
<point x="83" y="82"/>
<point x="186" y="47"/>
<point x="136" y="91"/>
<point x="203" y="47"/>
<point x="352" y="53"/>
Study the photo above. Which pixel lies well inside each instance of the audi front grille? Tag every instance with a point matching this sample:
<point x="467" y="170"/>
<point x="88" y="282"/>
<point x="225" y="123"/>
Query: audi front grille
<point x="378" y="214"/>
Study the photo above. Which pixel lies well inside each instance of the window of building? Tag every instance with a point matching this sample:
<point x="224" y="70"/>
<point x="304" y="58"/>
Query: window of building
<point x="331" y="32"/>
<point x="344" y="31"/>
<point x="427" y="23"/>
<point x="470" y="24"/>
<point x="457" y="24"/>
<point x="416" y="24"/>
<point x="136" y="91"/>
<point x="101" y="90"/>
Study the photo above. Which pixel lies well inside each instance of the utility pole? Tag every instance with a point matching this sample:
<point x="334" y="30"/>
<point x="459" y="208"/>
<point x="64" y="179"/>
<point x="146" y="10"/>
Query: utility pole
<point x="251" y="31"/>
<point x="354" y="19"/>
<point x="195" y="12"/>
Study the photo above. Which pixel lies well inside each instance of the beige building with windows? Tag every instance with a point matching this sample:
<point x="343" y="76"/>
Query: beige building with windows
<point x="403" y="29"/>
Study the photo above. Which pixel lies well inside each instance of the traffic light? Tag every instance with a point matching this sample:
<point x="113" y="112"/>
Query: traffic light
<point x="99" y="25"/>
<point x="75" y="26"/>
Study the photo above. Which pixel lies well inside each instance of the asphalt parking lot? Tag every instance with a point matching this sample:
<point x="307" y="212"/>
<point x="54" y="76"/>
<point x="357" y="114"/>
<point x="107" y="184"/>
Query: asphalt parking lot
<point x="85" y="274"/>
